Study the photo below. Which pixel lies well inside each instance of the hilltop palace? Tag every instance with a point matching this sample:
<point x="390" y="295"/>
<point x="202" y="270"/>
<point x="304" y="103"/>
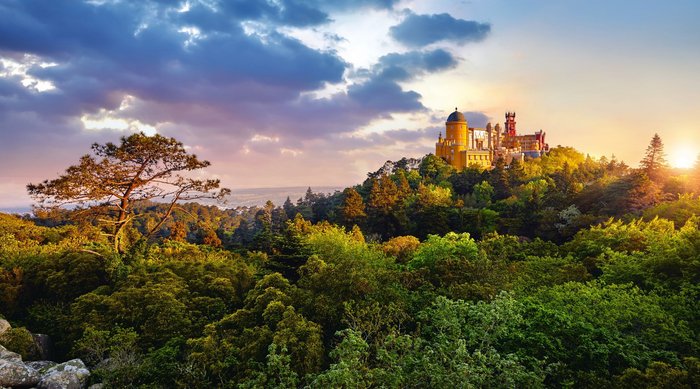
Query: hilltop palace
<point x="463" y="146"/>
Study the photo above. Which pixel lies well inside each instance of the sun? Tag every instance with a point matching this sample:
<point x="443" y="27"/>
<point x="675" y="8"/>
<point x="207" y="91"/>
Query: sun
<point x="684" y="158"/>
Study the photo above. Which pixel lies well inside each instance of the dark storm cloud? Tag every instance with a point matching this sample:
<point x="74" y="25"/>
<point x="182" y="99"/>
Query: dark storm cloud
<point x="291" y="13"/>
<point x="422" y="30"/>
<point x="377" y="95"/>
<point x="218" y="89"/>
<point x="106" y="51"/>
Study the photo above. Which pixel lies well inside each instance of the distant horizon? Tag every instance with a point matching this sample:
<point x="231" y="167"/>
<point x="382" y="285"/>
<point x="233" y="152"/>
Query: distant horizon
<point x="258" y="198"/>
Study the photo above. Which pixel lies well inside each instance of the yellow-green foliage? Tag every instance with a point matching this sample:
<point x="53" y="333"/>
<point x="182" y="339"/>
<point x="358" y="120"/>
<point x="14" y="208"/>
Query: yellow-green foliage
<point x="20" y="340"/>
<point x="434" y="196"/>
<point x="20" y="237"/>
<point x="678" y="211"/>
<point x="401" y="247"/>
<point x="553" y="161"/>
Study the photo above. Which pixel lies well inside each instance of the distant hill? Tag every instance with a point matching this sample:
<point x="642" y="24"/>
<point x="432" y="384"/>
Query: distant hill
<point x="17" y="210"/>
<point x="239" y="197"/>
<point x="258" y="196"/>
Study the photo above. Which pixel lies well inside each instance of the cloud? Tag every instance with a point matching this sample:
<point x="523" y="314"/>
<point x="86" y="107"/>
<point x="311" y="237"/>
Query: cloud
<point x="476" y="119"/>
<point x="385" y="95"/>
<point x="221" y="76"/>
<point x="421" y="30"/>
<point x="407" y="66"/>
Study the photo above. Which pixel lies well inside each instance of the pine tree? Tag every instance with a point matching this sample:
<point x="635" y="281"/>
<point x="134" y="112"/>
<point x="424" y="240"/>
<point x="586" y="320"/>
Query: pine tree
<point x="403" y="186"/>
<point x="654" y="162"/>
<point x="353" y="209"/>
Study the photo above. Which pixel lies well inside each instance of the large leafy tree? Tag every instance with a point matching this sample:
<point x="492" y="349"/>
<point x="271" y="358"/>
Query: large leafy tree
<point x="111" y="181"/>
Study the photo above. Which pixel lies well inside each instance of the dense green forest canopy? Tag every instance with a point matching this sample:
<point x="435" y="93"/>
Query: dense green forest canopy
<point x="559" y="271"/>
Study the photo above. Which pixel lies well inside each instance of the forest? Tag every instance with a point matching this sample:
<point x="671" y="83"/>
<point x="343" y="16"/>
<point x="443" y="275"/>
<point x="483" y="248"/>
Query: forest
<point x="560" y="271"/>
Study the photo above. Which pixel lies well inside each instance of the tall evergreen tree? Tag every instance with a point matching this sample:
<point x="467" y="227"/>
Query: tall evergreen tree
<point x="289" y="208"/>
<point x="404" y="188"/>
<point x="654" y="162"/>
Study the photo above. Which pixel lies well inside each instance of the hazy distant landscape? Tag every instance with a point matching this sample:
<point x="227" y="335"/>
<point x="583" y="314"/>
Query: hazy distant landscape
<point x="258" y="196"/>
<point x="248" y="197"/>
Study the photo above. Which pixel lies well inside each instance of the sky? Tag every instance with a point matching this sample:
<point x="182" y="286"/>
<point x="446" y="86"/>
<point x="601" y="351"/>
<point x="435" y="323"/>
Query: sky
<point x="318" y="93"/>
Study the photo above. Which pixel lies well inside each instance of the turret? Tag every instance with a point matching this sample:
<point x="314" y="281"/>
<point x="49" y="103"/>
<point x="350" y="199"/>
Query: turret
<point x="497" y="129"/>
<point x="510" y="124"/>
<point x="489" y="133"/>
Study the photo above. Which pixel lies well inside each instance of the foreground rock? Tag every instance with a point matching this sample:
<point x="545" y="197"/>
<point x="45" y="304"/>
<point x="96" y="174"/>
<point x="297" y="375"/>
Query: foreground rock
<point x="41" y="366"/>
<point x="16" y="373"/>
<point x="68" y="375"/>
<point x="4" y="326"/>
<point x="8" y="355"/>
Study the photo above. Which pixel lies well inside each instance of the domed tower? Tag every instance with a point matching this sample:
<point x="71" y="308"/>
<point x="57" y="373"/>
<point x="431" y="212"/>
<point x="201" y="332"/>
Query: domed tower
<point x="456" y="128"/>
<point x="455" y="141"/>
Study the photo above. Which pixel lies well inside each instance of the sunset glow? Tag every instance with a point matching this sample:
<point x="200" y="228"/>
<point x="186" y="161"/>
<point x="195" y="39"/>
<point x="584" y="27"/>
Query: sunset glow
<point x="684" y="158"/>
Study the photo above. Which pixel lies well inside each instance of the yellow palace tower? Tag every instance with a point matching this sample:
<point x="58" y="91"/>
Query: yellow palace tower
<point x="464" y="146"/>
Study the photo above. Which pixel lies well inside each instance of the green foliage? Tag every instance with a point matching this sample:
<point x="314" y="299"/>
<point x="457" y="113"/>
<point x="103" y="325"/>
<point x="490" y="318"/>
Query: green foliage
<point x="118" y="176"/>
<point x="20" y="340"/>
<point x="277" y="373"/>
<point x="401" y="247"/>
<point x="452" y="246"/>
<point x="349" y="369"/>
<point x="510" y="286"/>
<point x="662" y="375"/>
<point x="678" y="211"/>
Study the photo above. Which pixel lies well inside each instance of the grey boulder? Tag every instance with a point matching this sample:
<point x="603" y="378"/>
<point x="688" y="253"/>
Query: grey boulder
<point x="16" y="373"/>
<point x="8" y="355"/>
<point x="67" y="375"/>
<point x="41" y="366"/>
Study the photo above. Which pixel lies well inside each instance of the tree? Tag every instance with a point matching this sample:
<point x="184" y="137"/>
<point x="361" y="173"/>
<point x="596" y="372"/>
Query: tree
<point x="289" y="208"/>
<point x="353" y="209"/>
<point x="654" y="161"/>
<point x="115" y="178"/>
<point x="383" y="200"/>
<point x="178" y="232"/>
<point x="383" y="195"/>
<point x="695" y="178"/>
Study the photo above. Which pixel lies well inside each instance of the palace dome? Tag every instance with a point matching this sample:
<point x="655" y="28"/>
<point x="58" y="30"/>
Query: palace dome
<point x="456" y="116"/>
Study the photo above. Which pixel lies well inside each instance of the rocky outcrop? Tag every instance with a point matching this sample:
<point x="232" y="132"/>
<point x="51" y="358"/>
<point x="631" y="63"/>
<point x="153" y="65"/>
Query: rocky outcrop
<point x="16" y="373"/>
<point x="42" y="374"/>
<point x="68" y="375"/>
<point x="8" y="355"/>
<point x="41" y="366"/>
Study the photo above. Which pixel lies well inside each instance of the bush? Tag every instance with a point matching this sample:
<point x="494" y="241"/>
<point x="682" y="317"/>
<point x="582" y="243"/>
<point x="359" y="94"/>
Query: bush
<point x="20" y="340"/>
